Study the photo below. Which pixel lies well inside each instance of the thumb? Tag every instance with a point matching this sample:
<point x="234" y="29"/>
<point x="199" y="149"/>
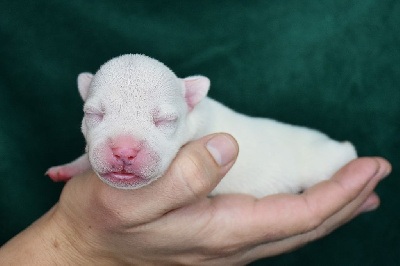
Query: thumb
<point x="198" y="167"/>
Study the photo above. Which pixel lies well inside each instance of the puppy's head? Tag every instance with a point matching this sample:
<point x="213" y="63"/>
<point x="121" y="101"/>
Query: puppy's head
<point x="136" y="118"/>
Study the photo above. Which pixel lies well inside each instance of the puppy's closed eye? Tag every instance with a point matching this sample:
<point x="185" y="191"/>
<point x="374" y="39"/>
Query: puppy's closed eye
<point x="165" y="121"/>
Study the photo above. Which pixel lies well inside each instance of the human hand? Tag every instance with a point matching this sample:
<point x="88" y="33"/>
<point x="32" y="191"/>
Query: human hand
<point x="172" y="221"/>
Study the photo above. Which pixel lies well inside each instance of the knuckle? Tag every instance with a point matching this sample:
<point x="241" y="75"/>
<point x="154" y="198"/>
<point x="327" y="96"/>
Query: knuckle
<point x="320" y="232"/>
<point x="223" y="251"/>
<point x="315" y="234"/>
<point x="195" y="175"/>
<point x="315" y="217"/>
<point x="316" y="221"/>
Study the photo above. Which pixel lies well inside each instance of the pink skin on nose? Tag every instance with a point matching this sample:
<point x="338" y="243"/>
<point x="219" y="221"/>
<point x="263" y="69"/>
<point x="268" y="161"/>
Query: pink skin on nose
<point x="126" y="155"/>
<point x="124" y="151"/>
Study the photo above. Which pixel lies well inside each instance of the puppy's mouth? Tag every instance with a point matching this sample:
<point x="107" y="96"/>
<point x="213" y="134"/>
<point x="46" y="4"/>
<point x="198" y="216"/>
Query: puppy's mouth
<point x="123" y="175"/>
<point x="124" y="180"/>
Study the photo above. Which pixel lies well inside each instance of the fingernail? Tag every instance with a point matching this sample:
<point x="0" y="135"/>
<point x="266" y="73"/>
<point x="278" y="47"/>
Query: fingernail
<point x="222" y="149"/>
<point x="382" y="169"/>
<point x="388" y="172"/>
<point x="385" y="173"/>
<point x="370" y="208"/>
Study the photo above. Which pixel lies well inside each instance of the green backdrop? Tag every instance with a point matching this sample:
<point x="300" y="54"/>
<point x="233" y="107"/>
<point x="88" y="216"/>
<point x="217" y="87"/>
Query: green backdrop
<point x="330" y="65"/>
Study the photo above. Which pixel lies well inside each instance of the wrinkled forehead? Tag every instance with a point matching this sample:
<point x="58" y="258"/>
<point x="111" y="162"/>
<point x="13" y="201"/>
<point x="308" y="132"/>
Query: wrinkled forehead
<point x="136" y="79"/>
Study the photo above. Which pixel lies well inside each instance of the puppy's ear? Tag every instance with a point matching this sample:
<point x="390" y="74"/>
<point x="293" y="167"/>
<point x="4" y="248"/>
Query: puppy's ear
<point x="195" y="89"/>
<point x="84" y="80"/>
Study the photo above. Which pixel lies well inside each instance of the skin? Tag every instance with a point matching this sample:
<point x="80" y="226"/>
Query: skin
<point x="172" y="221"/>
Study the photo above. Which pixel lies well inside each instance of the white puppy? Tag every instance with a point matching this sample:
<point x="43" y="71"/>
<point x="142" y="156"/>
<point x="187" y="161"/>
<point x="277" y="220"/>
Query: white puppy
<point x="138" y="114"/>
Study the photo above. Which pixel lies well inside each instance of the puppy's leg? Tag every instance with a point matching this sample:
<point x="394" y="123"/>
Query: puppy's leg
<point x="65" y="172"/>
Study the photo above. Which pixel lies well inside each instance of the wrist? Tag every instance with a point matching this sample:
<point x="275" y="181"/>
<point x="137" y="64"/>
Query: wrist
<point x="48" y="241"/>
<point x="62" y="241"/>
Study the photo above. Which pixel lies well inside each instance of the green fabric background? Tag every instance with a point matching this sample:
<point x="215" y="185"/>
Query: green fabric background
<point x="330" y="65"/>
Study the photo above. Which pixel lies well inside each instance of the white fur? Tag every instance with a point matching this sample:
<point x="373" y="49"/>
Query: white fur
<point x="129" y="93"/>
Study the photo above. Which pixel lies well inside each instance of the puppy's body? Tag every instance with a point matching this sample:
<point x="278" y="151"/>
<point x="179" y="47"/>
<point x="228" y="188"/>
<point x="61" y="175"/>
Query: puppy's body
<point x="138" y="114"/>
<point x="274" y="157"/>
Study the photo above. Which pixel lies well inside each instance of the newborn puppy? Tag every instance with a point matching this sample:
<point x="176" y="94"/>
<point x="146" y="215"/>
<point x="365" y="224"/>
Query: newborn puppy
<point x="138" y="114"/>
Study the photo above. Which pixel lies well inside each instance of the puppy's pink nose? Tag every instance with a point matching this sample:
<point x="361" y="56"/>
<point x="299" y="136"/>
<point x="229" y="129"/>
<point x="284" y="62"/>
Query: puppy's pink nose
<point x="125" y="154"/>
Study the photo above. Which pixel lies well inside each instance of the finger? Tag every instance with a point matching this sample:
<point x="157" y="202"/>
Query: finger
<point x="350" y="187"/>
<point x="371" y="204"/>
<point x="297" y="241"/>
<point x="284" y="215"/>
<point x="365" y="199"/>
